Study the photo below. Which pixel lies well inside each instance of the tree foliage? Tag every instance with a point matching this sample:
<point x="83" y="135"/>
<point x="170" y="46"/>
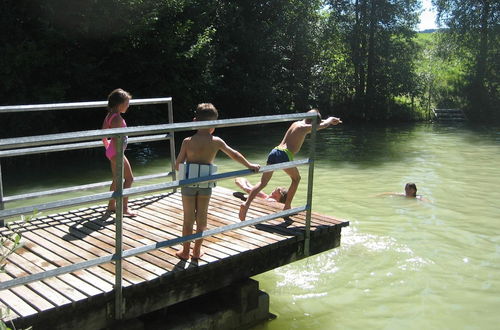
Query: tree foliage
<point x="474" y="33"/>
<point x="357" y="58"/>
<point x="377" y="42"/>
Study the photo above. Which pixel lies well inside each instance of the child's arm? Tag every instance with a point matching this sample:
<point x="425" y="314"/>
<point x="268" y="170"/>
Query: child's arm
<point x="182" y="155"/>
<point x="237" y="156"/>
<point x="105" y="141"/>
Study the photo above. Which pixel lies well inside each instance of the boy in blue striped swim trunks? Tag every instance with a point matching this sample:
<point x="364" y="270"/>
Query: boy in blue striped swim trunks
<point x="284" y="152"/>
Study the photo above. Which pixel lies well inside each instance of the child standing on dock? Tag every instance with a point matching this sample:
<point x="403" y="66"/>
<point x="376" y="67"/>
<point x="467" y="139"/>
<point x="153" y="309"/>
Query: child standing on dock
<point x="200" y="150"/>
<point x="118" y="102"/>
<point x="284" y="152"/>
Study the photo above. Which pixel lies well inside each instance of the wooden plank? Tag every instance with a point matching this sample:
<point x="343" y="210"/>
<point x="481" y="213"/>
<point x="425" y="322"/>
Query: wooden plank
<point x="223" y="192"/>
<point x="95" y="251"/>
<point x="106" y="269"/>
<point x="54" y="282"/>
<point x="75" y="253"/>
<point x="31" y="297"/>
<point x="211" y="249"/>
<point x="177" y="214"/>
<point x="160" y="258"/>
<point x="16" y="304"/>
<point x="129" y="272"/>
<point x="9" y="315"/>
<point x="39" y="287"/>
<point x="53" y="254"/>
<point x="267" y="238"/>
<point x="88" y="243"/>
<point x="146" y="234"/>
<point x="223" y="239"/>
<point x="251" y="232"/>
<point x="226" y="239"/>
<point x="247" y="230"/>
<point x="317" y="220"/>
<point x="152" y="234"/>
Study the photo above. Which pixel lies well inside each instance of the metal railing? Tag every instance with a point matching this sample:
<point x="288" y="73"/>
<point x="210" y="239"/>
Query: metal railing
<point x="84" y="145"/>
<point x="11" y="147"/>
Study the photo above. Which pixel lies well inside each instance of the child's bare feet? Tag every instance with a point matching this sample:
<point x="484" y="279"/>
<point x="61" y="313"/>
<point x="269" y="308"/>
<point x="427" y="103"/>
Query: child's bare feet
<point x="182" y="255"/>
<point x="243" y="211"/>
<point x="197" y="254"/>
<point x="129" y="213"/>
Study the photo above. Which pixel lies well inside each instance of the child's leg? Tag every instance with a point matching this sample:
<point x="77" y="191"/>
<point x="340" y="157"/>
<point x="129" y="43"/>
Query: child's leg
<point x="129" y="178"/>
<point x="246" y="186"/>
<point x="202" y="202"/>
<point x="243" y="184"/>
<point x="264" y="180"/>
<point x="295" y="176"/>
<point x="112" y="187"/>
<point x="189" y="208"/>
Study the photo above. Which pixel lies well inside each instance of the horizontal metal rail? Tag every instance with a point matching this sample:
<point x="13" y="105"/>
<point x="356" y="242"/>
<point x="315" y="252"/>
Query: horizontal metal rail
<point x="30" y="141"/>
<point x="90" y="186"/>
<point x="77" y="146"/>
<point x="144" y="249"/>
<point x="77" y="105"/>
<point x="143" y="189"/>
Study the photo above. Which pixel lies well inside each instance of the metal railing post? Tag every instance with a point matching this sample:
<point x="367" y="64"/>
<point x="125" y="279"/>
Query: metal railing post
<point x="2" y="222"/>
<point x="172" y="142"/>
<point x="119" y="228"/>
<point x="310" y="177"/>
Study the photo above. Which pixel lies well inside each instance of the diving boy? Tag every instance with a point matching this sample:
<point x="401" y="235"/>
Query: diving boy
<point x="200" y="150"/>
<point x="284" y="152"/>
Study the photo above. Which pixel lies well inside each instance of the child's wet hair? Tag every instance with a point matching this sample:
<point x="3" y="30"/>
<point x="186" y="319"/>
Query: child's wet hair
<point x="318" y="114"/>
<point x="411" y="185"/>
<point x="283" y="194"/>
<point x="117" y="97"/>
<point x="206" y="111"/>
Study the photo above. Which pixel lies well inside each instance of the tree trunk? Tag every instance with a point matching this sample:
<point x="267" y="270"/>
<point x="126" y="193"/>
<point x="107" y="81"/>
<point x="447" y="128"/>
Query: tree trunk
<point x="483" y="43"/>
<point x="370" y="88"/>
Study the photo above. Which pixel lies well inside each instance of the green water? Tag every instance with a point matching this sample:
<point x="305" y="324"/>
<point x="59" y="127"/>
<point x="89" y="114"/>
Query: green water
<point x="402" y="264"/>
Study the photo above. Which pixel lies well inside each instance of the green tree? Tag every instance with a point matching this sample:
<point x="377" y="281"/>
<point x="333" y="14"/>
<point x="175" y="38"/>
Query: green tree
<point x="380" y="35"/>
<point x="264" y="51"/>
<point x="473" y="25"/>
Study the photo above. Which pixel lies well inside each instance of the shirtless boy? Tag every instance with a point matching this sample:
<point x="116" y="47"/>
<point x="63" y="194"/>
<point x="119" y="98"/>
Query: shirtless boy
<point x="201" y="149"/>
<point x="284" y="152"/>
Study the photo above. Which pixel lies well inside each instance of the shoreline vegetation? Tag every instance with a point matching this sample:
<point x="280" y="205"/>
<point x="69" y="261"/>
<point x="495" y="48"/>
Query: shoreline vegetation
<point x="361" y="60"/>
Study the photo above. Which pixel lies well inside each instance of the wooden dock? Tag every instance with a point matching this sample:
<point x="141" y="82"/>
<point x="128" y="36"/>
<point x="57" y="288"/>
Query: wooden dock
<point x="155" y="280"/>
<point x="449" y="115"/>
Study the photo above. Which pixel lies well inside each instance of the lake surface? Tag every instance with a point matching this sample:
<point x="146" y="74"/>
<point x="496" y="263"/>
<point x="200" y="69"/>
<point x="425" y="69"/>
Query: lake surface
<point x="402" y="263"/>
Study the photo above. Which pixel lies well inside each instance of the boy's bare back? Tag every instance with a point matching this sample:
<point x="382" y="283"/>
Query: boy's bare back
<point x="297" y="132"/>
<point x="295" y="136"/>
<point x="202" y="148"/>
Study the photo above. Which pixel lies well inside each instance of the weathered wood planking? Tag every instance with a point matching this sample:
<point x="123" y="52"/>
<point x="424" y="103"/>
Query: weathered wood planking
<point x="84" y="299"/>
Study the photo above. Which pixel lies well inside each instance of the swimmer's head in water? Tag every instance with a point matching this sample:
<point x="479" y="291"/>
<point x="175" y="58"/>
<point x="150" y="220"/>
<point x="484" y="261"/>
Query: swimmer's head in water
<point x="411" y="189"/>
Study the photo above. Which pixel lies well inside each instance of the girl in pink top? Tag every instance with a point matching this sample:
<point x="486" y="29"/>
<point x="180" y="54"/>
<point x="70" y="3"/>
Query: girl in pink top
<point x="118" y="102"/>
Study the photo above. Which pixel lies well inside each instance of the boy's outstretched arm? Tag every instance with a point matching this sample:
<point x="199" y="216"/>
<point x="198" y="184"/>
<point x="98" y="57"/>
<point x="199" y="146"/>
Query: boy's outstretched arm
<point x="329" y="121"/>
<point x="237" y="156"/>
